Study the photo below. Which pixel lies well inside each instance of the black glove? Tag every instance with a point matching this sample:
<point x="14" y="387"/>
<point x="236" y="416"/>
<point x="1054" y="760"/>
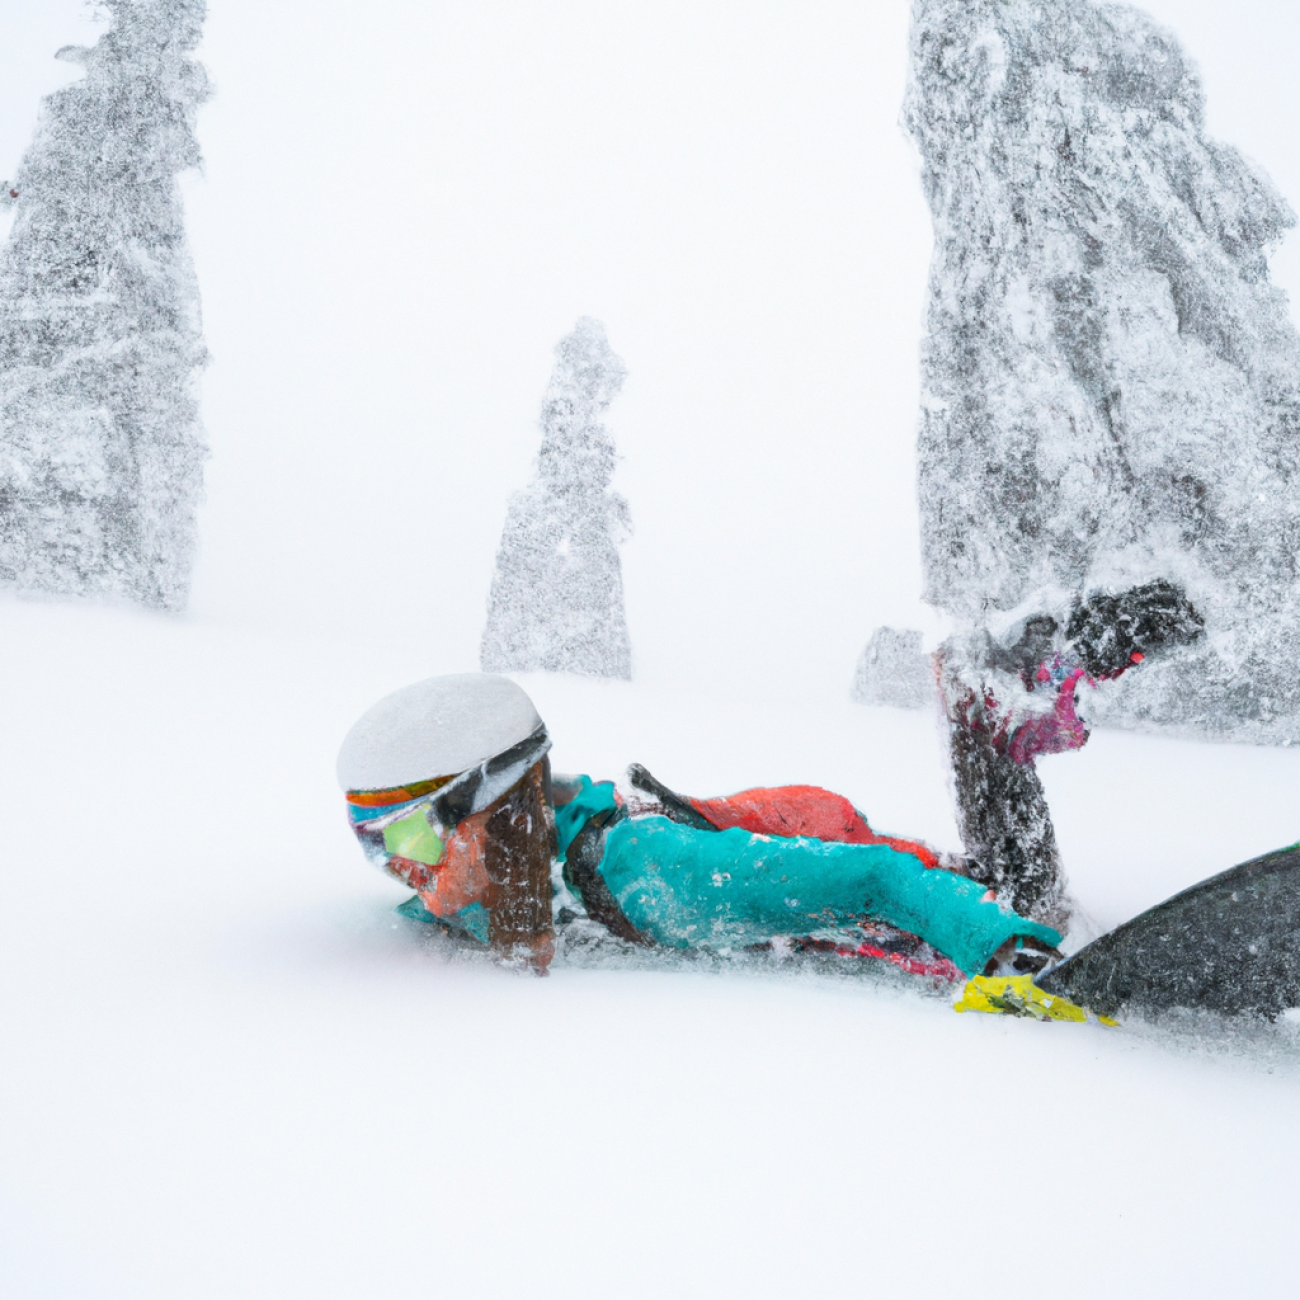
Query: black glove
<point x="1108" y="630"/>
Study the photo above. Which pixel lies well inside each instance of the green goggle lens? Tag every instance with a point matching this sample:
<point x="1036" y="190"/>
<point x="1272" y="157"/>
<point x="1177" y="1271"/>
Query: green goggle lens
<point x="414" y="838"/>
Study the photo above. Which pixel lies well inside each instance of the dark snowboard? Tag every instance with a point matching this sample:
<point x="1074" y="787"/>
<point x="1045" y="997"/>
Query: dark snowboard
<point x="1230" y="944"/>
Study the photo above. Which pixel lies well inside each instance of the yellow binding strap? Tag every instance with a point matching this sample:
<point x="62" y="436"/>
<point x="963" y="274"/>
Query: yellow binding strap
<point x="1018" y="995"/>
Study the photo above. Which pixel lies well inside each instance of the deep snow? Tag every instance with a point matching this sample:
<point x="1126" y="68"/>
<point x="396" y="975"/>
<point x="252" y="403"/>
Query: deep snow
<point x="231" y="1070"/>
<point x="228" y="1068"/>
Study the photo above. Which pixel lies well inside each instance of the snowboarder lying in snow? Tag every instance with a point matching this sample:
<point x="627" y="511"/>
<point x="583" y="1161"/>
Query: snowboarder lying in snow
<point x="449" y="790"/>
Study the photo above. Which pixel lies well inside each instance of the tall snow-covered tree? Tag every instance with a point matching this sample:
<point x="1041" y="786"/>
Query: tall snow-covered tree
<point x="1109" y="446"/>
<point x="1111" y="384"/>
<point x="100" y="338"/>
<point x="557" y="595"/>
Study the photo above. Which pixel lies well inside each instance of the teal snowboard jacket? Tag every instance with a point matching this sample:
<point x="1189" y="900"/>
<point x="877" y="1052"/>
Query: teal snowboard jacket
<point x="684" y="887"/>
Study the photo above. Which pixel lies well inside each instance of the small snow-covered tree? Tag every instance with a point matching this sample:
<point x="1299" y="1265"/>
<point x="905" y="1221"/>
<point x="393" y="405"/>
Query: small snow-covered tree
<point x="100" y="339"/>
<point x="557" y="596"/>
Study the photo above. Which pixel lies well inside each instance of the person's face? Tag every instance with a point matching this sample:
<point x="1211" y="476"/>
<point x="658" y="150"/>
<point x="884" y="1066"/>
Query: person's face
<point x="459" y="877"/>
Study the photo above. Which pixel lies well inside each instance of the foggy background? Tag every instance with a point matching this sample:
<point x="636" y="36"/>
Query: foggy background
<point x="406" y="205"/>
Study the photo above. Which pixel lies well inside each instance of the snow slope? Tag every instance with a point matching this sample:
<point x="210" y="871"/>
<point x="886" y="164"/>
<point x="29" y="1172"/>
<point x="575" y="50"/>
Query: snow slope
<point x="231" y="1070"/>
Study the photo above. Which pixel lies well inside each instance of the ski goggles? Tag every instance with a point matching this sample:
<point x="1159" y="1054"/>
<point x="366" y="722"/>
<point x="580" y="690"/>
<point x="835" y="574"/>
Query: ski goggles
<point x="416" y="821"/>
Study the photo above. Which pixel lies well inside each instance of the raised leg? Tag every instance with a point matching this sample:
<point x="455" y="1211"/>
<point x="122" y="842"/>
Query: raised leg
<point x="1004" y="822"/>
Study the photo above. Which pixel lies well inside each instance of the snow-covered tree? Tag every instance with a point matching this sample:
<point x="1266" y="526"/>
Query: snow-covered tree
<point x="893" y="670"/>
<point x="100" y="339"/>
<point x="557" y="595"/>
<point x="1111" y="384"/>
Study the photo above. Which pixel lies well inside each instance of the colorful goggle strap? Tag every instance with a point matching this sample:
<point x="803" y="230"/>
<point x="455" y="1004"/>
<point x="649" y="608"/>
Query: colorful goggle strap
<point x="451" y="799"/>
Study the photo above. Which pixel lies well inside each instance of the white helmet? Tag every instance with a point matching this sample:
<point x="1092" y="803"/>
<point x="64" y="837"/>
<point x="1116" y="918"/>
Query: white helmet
<point x="447" y="746"/>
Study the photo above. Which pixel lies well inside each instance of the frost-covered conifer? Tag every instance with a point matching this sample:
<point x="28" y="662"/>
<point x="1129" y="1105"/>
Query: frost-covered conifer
<point x="557" y="595"/>
<point x="1111" y="384"/>
<point x="100" y="341"/>
<point x="893" y="670"/>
